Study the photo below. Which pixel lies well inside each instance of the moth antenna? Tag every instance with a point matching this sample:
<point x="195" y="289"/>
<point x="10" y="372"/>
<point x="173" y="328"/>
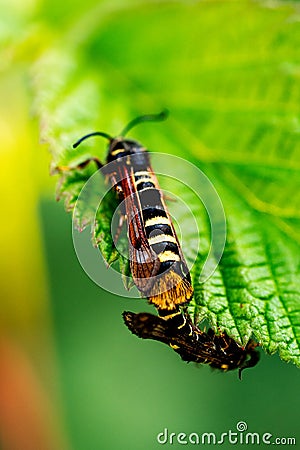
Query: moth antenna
<point x="95" y="133"/>
<point x="146" y="118"/>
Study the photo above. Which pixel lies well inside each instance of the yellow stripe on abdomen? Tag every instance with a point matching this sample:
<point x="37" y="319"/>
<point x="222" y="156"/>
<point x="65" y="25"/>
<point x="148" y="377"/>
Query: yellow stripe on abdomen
<point x="159" y="220"/>
<point x="159" y="238"/>
<point x="168" y="256"/>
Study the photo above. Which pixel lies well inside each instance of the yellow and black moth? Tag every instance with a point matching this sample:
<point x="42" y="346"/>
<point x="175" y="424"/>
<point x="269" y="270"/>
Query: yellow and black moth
<point x="193" y="345"/>
<point x="157" y="264"/>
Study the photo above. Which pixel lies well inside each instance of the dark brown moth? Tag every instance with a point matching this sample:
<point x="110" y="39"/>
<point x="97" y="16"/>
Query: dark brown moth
<point x="193" y="345"/>
<point x="157" y="264"/>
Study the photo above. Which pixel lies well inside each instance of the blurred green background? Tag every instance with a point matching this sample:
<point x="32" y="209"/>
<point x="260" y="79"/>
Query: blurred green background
<point x="71" y="375"/>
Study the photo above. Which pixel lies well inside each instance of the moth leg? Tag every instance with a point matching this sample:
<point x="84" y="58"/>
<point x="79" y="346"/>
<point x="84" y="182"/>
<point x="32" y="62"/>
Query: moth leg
<point x="167" y="198"/>
<point x="118" y="188"/>
<point x="120" y="227"/>
<point x="82" y="165"/>
<point x="196" y="316"/>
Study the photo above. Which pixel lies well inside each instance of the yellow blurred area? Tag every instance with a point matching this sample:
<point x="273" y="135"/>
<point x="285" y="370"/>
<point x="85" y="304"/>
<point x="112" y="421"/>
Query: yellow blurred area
<point x="29" y="417"/>
<point x="24" y="296"/>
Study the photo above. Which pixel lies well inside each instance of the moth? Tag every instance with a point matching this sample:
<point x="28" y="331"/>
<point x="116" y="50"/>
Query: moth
<point x="157" y="264"/>
<point x="193" y="345"/>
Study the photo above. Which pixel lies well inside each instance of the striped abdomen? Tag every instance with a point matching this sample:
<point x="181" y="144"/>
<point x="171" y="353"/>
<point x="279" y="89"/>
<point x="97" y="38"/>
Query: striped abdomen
<point x="157" y="263"/>
<point x="172" y="286"/>
<point x="158" y="228"/>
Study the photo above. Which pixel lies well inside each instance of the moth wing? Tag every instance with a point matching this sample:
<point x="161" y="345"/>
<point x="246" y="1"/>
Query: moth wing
<point x="144" y="262"/>
<point x="165" y="290"/>
<point x="146" y="326"/>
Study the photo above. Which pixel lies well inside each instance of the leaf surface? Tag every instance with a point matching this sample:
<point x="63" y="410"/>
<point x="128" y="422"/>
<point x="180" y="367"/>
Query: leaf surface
<point x="231" y="82"/>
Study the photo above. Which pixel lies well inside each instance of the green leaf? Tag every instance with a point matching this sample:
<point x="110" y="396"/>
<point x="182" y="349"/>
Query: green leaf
<point x="256" y="286"/>
<point x="104" y="237"/>
<point x="102" y="234"/>
<point x="231" y="82"/>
